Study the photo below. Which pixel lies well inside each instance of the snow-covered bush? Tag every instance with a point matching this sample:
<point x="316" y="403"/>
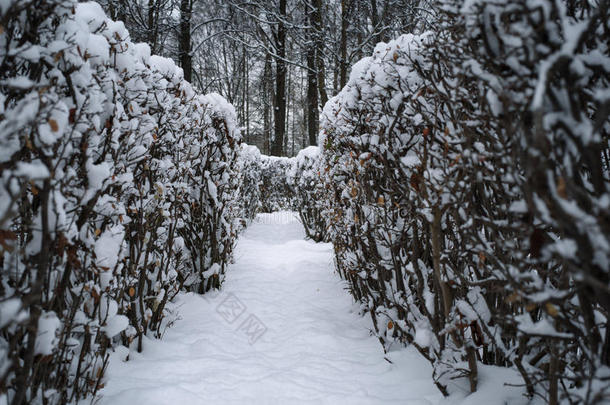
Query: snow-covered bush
<point x="249" y="169"/>
<point x="539" y="112"/>
<point x="389" y="181"/>
<point x="269" y="183"/>
<point x="116" y="191"/>
<point x="276" y="193"/>
<point x="465" y="181"/>
<point x="305" y="180"/>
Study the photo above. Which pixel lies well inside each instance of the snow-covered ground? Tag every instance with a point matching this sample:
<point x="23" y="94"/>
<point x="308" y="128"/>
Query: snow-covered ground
<point x="282" y="331"/>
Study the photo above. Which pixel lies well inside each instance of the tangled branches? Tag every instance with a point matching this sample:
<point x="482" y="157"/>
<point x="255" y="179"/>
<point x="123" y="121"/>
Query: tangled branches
<point x="116" y="189"/>
<point x="465" y="187"/>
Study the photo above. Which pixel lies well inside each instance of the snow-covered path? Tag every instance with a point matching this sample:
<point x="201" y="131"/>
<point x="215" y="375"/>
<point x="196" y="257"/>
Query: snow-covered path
<point x="282" y="331"/>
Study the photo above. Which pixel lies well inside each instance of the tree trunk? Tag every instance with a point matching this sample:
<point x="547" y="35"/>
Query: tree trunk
<point x="152" y="26"/>
<point x="379" y="21"/>
<point x="319" y="46"/>
<point x="312" y="100"/>
<point x="184" y="45"/>
<point x="267" y="95"/>
<point x="280" y="85"/>
<point x="343" y="44"/>
<point x="287" y="133"/>
<point x="375" y="22"/>
<point x="312" y="87"/>
<point x="246" y="94"/>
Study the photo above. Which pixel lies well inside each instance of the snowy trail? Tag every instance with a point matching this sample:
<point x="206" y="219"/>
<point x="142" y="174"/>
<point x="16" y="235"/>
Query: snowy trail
<point x="315" y="349"/>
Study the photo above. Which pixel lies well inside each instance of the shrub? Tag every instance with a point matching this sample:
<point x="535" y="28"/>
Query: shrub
<point x="250" y="171"/>
<point x="463" y="177"/>
<point x="116" y="192"/>
<point x="305" y="179"/>
<point x="275" y="192"/>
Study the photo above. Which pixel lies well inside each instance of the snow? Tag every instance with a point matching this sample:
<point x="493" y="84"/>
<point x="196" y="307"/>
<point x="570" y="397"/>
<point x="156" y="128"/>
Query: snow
<point x="213" y="191"/>
<point x="214" y="269"/>
<point x="542" y="327"/>
<point x="108" y="246"/>
<point x="493" y="389"/>
<point x="48" y="323"/>
<point x="97" y="174"/>
<point x="410" y="160"/>
<point x="250" y="151"/>
<point x="281" y="331"/>
<point x="310" y="152"/>
<point x="91" y="13"/>
<point x="423" y="337"/>
<point x="566" y="248"/>
<point x="34" y="171"/>
<point x="116" y="325"/>
<point x="98" y="47"/>
<point x="9" y="310"/>
<point x="19" y="82"/>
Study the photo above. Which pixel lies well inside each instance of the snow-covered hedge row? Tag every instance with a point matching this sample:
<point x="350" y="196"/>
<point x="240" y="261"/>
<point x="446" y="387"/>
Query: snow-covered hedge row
<point x="279" y="183"/>
<point x="249" y="170"/>
<point x="386" y="189"/>
<point x="304" y="178"/>
<point x="276" y="193"/>
<point x="539" y="104"/>
<point x="270" y="183"/>
<point x="465" y="182"/>
<point x="117" y="183"/>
